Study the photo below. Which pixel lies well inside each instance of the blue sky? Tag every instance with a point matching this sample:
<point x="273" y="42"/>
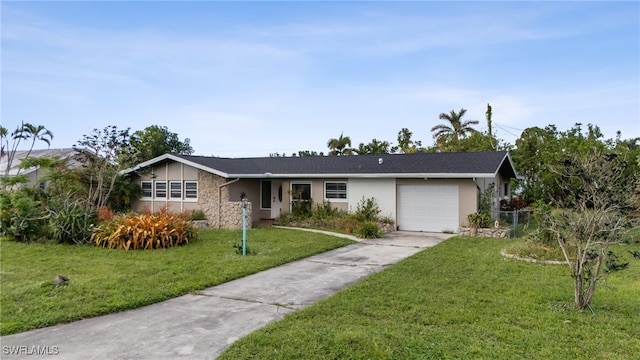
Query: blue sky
<point x="243" y="79"/>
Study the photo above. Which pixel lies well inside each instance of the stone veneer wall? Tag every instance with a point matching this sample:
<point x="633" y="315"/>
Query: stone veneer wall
<point x="208" y="200"/>
<point x="208" y="185"/>
<point x="231" y="215"/>
<point x="484" y="232"/>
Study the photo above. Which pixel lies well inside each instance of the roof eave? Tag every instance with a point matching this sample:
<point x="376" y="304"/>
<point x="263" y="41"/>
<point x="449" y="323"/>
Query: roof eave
<point x="368" y="176"/>
<point x="175" y="158"/>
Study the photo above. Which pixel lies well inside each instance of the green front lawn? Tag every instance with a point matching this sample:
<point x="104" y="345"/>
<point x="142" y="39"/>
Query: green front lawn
<point x="460" y="300"/>
<point x="104" y="281"/>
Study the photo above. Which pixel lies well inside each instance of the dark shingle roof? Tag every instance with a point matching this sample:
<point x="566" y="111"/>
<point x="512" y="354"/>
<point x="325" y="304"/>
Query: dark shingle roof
<point x="423" y="164"/>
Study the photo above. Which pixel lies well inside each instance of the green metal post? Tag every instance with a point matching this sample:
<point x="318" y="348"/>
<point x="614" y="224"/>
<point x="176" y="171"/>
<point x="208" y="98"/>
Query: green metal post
<point x="244" y="228"/>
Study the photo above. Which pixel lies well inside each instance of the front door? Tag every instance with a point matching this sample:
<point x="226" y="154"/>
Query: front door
<point x="276" y="198"/>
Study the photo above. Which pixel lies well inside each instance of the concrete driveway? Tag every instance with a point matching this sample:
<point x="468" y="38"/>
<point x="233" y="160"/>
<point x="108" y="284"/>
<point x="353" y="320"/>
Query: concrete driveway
<point x="202" y="325"/>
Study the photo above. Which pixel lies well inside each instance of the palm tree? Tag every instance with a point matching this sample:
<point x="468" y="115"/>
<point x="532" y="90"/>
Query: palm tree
<point x="456" y="126"/>
<point x="37" y="133"/>
<point x="24" y="132"/>
<point x="340" y="146"/>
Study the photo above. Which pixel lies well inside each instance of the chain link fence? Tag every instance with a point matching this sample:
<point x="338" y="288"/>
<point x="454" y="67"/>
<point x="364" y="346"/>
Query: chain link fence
<point x="517" y="220"/>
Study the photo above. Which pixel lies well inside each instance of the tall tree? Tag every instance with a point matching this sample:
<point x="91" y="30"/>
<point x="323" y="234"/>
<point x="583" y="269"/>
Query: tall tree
<point x="340" y="146"/>
<point x="405" y="144"/>
<point x="455" y="126"/>
<point x="157" y="140"/>
<point x="489" y="114"/>
<point x="104" y="153"/>
<point x="374" y="147"/>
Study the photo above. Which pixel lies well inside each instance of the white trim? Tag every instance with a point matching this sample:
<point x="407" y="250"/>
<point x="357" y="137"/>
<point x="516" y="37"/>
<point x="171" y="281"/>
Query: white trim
<point x="142" y="197"/>
<point x="368" y="176"/>
<point x="177" y="159"/>
<point x="171" y="197"/>
<point x="188" y="199"/>
<point x="155" y="190"/>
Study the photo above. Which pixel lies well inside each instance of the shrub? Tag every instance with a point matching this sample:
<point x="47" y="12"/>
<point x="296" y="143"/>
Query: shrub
<point x="367" y="210"/>
<point x="324" y="211"/>
<point x="197" y="215"/>
<point x="479" y="220"/>
<point x="104" y="214"/>
<point x="70" y="222"/>
<point x="22" y="216"/>
<point x="144" y="231"/>
<point x="515" y="203"/>
<point x="368" y="230"/>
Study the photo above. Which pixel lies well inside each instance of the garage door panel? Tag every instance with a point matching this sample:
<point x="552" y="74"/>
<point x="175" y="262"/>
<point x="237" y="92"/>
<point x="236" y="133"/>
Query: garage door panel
<point x="431" y="208"/>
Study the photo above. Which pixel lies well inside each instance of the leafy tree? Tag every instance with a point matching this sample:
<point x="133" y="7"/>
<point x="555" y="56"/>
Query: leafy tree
<point x="477" y="141"/>
<point x="302" y="153"/>
<point x="157" y="140"/>
<point x="592" y="211"/>
<point x="535" y="150"/>
<point x="23" y="132"/>
<point x="104" y="154"/>
<point x="374" y="147"/>
<point x="455" y="126"/>
<point x="405" y="144"/>
<point x="340" y="146"/>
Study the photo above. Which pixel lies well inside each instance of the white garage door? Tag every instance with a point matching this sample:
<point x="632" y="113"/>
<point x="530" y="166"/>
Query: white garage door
<point x="431" y="208"/>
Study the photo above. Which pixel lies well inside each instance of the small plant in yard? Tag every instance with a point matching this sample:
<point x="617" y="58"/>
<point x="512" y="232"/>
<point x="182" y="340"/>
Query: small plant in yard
<point x="238" y="248"/>
<point x="70" y="222"/>
<point x="479" y="220"/>
<point x="144" y="231"/>
<point x="197" y="215"/>
<point x="104" y="214"/>
<point x="368" y="230"/>
<point x="367" y="210"/>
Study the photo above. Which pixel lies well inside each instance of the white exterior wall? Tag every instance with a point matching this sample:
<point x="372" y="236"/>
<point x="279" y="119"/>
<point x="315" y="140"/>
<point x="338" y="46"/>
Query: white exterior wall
<point x="383" y="190"/>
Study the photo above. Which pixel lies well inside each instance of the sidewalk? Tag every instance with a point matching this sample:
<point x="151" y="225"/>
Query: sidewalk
<point x="202" y="325"/>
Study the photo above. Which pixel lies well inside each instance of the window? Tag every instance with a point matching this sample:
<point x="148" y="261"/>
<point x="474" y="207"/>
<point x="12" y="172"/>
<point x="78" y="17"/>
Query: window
<point x="506" y="189"/>
<point x="147" y="191"/>
<point x="335" y="190"/>
<point x="191" y="189"/>
<point x="265" y="194"/>
<point x="161" y="189"/>
<point x="301" y="198"/>
<point x="175" y="188"/>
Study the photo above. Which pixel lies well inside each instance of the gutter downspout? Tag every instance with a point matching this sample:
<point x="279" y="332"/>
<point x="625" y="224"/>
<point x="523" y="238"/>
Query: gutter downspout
<point x="220" y="198"/>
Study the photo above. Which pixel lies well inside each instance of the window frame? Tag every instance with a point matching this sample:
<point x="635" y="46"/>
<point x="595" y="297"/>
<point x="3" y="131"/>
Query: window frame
<point x="337" y="191"/>
<point x="292" y="200"/>
<point x="157" y="191"/>
<point x="188" y="191"/>
<point x="142" y="190"/>
<point x="179" y="190"/>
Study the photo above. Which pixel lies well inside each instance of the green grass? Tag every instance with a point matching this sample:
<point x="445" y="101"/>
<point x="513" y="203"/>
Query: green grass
<point x="104" y="281"/>
<point x="460" y="300"/>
